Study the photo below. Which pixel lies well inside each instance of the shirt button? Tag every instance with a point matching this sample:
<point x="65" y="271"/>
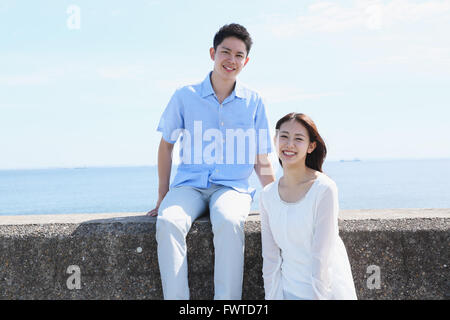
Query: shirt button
<point x="221" y="123"/>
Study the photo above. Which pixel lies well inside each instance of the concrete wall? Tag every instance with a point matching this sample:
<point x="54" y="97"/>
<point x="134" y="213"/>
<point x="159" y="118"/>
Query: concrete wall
<point x="395" y="254"/>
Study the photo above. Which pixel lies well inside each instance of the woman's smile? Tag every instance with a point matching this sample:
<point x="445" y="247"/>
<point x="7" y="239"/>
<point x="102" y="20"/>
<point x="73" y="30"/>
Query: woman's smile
<point x="289" y="154"/>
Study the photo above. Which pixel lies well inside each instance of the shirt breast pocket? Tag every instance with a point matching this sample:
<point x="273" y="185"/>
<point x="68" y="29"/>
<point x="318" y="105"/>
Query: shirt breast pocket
<point x="243" y="123"/>
<point x="242" y="117"/>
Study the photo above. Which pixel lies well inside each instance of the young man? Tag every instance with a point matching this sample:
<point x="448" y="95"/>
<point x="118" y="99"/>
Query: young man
<point x="224" y="136"/>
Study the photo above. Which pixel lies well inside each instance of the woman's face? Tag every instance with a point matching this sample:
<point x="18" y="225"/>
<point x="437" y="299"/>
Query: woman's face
<point x="292" y="143"/>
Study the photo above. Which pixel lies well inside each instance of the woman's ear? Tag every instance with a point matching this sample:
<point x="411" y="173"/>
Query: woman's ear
<point x="312" y="147"/>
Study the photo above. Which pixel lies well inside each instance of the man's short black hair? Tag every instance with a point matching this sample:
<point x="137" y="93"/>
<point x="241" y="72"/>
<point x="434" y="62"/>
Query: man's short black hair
<point x="233" y="30"/>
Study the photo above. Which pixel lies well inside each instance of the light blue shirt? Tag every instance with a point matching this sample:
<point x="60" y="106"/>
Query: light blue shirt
<point x="218" y="142"/>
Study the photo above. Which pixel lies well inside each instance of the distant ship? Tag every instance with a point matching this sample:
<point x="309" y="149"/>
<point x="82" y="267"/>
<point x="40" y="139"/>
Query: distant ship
<point x="354" y="160"/>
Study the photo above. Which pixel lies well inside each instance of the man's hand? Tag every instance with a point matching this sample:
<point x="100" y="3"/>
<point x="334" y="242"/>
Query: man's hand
<point x="264" y="169"/>
<point x="154" y="212"/>
<point x="164" y="167"/>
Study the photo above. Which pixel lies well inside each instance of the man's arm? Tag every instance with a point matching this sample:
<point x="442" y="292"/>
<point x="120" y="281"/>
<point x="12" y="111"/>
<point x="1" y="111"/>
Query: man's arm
<point x="264" y="169"/>
<point x="164" y="168"/>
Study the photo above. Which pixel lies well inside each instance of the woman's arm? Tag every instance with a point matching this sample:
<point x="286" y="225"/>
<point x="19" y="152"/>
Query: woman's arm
<point x="325" y="233"/>
<point x="271" y="258"/>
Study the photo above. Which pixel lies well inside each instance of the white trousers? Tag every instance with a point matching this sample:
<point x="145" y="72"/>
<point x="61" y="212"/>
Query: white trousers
<point x="228" y="212"/>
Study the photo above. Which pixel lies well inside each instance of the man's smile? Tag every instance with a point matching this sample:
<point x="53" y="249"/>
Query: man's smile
<point x="229" y="68"/>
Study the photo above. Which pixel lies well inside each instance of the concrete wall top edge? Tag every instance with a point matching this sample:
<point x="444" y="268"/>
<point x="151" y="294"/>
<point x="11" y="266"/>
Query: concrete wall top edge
<point x="139" y="217"/>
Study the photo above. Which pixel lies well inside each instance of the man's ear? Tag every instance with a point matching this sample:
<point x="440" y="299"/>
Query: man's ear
<point x="212" y="53"/>
<point x="246" y="60"/>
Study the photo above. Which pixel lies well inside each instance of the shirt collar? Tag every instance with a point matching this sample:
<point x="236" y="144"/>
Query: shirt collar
<point x="207" y="88"/>
<point x="239" y="89"/>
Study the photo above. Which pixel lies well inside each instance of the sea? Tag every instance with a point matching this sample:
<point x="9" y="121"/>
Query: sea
<point x="374" y="184"/>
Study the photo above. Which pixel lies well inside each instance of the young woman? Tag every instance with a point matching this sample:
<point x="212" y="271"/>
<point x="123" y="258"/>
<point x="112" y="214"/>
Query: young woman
<point x="303" y="255"/>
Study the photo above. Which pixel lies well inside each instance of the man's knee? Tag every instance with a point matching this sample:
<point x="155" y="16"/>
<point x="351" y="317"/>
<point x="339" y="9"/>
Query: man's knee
<point x="172" y="220"/>
<point x="229" y="223"/>
<point x="230" y="210"/>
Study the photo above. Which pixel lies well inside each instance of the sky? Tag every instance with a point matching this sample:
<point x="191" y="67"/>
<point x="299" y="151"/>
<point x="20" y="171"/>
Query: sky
<point x="84" y="83"/>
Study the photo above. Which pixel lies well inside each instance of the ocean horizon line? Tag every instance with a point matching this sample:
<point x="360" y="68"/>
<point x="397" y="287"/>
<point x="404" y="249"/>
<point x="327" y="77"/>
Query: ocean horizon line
<point x="364" y="184"/>
<point x="77" y="167"/>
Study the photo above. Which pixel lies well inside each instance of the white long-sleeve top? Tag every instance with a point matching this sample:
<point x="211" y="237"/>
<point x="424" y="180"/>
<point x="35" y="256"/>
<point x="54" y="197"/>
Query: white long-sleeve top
<point x="303" y="255"/>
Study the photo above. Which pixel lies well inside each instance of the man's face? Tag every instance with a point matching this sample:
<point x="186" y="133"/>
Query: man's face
<point x="229" y="58"/>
